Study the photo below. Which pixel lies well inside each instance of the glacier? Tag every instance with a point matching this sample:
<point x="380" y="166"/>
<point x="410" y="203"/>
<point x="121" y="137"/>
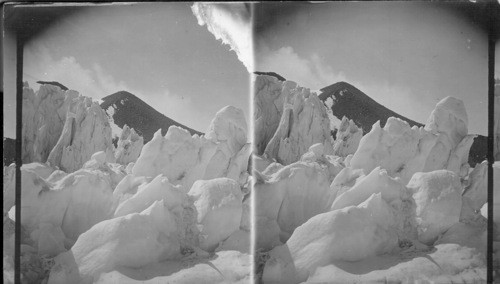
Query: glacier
<point x="93" y="211"/>
<point x="349" y="208"/>
<point x="398" y="203"/>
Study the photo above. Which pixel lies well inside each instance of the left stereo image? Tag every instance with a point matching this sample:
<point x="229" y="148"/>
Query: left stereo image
<point x="135" y="144"/>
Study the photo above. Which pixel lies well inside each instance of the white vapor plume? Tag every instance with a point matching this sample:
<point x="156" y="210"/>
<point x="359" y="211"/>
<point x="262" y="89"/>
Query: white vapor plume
<point x="231" y="23"/>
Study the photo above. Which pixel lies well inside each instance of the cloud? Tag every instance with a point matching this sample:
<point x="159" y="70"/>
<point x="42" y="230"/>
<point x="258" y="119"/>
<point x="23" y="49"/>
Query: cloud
<point x="179" y="108"/>
<point x="97" y="83"/>
<point x="309" y="72"/>
<point x="313" y="72"/>
<point x="397" y="98"/>
<point x="230" y="23"/>
<point x="92" y="82"/>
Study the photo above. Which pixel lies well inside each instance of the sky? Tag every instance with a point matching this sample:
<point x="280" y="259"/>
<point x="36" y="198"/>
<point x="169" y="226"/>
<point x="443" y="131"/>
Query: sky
<point x="406" y="56"/>
<point x="163" y="53"/>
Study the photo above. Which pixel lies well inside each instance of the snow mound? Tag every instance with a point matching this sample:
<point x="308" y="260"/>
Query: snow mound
<point x="288" y="198"/>
<point x="316" y="154"/>
<point x="133" y="240"/>
<point x="350" y="234"/>
<point x="229" y="125"/>
<point x="399" y="149"/>
<point x="75" y="203"/>
<point x="158" y="189"/>
<point x="216" y="200"/>
<point x="475" y="194"/>
<point x="224" y="267"/>
<point x="447" y="263"/>
<point x="347" y="139"/>
<point x="343" y="181"/>
<point x="114" y="172"/>
<point x="183" y="158"/>
<point x="449" y="122"/>
<point x="378" y="181"/>
<point x="449" y="117"/>
<point x="438" y="203"/>
<point x="442" y="144"/>
<point x="129" y="146"/>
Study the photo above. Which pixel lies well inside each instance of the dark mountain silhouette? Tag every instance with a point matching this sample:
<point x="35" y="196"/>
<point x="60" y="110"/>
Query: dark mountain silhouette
<point x="356" y="105"/>
<point x="274" y="74"/>
<point x="137" y="114"/>
<point x="64" y="88"/>
<point x="364" y="111"/>
<point x="9" y="151"/>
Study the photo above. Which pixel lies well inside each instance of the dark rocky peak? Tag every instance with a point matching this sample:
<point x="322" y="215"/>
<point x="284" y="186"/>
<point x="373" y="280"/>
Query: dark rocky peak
<point x="349" y="101"/>
<point x="274" y="74"/>
<point x="132" y="111"/>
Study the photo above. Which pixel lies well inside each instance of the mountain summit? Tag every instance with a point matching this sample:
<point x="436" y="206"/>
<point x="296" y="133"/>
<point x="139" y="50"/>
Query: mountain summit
<point x="132" y="111"/>
<point x="349" y="101"/>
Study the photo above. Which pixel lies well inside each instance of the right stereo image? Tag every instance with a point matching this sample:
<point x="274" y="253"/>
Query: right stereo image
<point x="370" y="155"/>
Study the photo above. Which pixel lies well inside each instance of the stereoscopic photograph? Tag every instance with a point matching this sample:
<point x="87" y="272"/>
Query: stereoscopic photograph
<point x="282" y="142"/>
